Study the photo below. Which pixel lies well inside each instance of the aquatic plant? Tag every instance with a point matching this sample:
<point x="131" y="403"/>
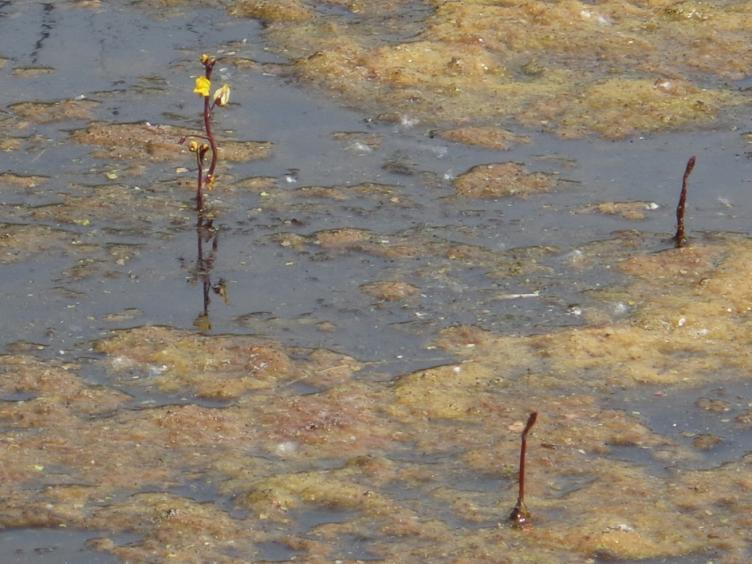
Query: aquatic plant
<point x="220" y="98"/>
<point x="520" y="515"/>
<point x="680" y="238"/>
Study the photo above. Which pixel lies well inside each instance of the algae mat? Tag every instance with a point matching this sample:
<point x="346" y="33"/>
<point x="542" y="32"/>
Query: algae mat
<point x="431" y="218"/>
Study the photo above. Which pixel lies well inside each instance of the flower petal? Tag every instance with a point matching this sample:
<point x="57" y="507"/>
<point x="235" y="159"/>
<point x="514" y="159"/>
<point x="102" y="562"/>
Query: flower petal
<point x="222" y="95"/>
<point x="203" y="86"/>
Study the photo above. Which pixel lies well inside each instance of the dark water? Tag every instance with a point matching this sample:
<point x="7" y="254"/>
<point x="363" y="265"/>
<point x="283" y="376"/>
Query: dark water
<point x="51" y="546"/>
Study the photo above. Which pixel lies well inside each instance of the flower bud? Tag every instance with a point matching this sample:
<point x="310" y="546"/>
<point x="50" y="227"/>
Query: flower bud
<point x="222" y="95"/>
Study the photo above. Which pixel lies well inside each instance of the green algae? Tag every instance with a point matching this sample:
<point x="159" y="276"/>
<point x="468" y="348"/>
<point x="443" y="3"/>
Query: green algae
<point x="614" y="69"/>
<point x="681" y="333"/>
<point x="584" y="502"/>
<point x="218" y="368"/>
<point x="422" y="466"/>
<point x="503" y="179"/>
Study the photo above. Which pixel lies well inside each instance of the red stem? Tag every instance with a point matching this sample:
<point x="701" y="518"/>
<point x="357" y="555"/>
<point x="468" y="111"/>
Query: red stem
<point x="680" y="239"/>
<point x="523" y="452"/>
<point x="207" y="126"/>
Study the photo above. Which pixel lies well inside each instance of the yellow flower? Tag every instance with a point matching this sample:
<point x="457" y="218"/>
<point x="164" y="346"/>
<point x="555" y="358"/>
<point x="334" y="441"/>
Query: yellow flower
<point x="193" y="147"/>
<point x="203" y="86"/>
<point x="205" y="58"/>
<point x="222" y="95"/>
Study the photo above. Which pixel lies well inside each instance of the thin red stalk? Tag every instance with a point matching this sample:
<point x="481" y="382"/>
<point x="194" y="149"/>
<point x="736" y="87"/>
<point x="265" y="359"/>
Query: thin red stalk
<point x="523" y="453"/>
<point x="680" y="239"/>
<point x="200" y="181"/>
<point x="207" y="126"/>
<point x="519" y="513"/>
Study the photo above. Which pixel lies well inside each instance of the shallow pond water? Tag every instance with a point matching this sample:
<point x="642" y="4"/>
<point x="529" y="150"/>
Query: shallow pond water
<point x="399" y="267"/>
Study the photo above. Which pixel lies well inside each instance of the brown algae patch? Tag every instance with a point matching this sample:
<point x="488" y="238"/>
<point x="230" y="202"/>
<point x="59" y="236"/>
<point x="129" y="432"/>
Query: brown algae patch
<point x="48" y="112"/>
<point x="502" y="179"/>
<point x="633" y="211"/>
<point x="272" y="11"/>
<point x="219" y="368"/>
<point x="691" y="320"/>
<point x="325" y="466"/>
<point x="20" y="242"/>
<point x="157" y="143"/>
<point x="359" y="142"/>
<point x="390" y="291"/>
<point x="104" y="204"/>
<point x="256" y="184"/>
<point x="445" y="255"/>
<point x="22" y="180"/>
<point x="56" y="383"/>
<point x="172" y="527"/>
<point x="486" y="137"/>
<point x="612" y="69"/>
<point x="11" y="144"/>
<point x="618" y="107"/>
<point x="32" y="72"/>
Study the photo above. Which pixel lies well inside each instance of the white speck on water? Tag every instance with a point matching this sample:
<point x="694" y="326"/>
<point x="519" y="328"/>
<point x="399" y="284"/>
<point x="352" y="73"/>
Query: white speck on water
<point x="440" y="151"/>
<point x="518" y="296"/>
<point x="449" y="175"/>
<point x="286" y="448"/>
<point x="576" y="257"/>
<point x="407" y="121"/>
<point x="359" y="147"/>
<point x="121" y="362"/>
<point x="620" y="308"/>
<point x="156" y="369"/>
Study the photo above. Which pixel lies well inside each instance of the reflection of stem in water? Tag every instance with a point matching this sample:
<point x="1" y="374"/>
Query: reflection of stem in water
<point x="207" y="233"/>
<point x="47" y="24"/>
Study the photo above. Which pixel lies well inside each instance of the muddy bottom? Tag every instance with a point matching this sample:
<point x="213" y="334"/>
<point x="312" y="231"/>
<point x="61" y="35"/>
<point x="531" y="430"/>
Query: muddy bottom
<point x="336" y="361"/>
